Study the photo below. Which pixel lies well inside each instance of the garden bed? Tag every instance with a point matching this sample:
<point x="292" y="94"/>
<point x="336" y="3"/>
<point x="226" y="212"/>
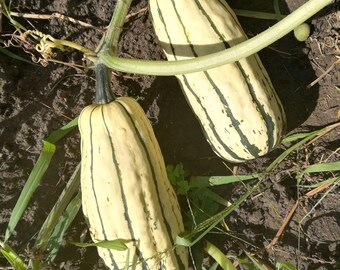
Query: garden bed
<point x="36" y="99"/>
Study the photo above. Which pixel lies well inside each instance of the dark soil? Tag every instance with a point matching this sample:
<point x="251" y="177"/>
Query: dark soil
<point x="35" y="100"/>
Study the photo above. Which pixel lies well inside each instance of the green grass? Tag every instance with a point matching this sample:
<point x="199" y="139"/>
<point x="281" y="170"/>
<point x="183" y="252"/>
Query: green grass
<point x="205" y="203"/>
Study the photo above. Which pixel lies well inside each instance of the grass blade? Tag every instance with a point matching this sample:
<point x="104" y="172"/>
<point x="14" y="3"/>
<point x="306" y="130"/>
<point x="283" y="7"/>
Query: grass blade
<point x="257" y="264"/>
<point x="44" y="237"/>
<point x="309" y="136"/>
<point x="12" y="257"/>
<point x="57" y="210"/>
<point x="36" y="174"/>
<point x="277" y="10"/>
<point x="323" y="167"/>
<point x="324" y="182"/>
<point x="14" y="56"/>
<point x="55" y="136"/>
<point x="284" y="265"/>
<point x="219" y="257"/>
<point x="190" y="238"/>
<point x="206" y="181"/>
<point x="295" y="137"/>
<point x="215" y="197"/>
<point x="30" y="186"/>
<point x="58" y="233"/>
<point x="118" y="244"/>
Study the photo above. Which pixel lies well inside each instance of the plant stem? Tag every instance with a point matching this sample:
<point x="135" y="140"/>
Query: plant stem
<point x="58" y="43"/>
<point x="242" y="50"/>
<point x="104" y="92"/>
<point x="277" y="10"/>
<point x="115" y="27"/>
<point x="6" y="11"/>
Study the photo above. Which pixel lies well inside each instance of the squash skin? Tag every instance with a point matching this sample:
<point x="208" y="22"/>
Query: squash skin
<point x="125" y="190"/>
<point x="236" y="104"/>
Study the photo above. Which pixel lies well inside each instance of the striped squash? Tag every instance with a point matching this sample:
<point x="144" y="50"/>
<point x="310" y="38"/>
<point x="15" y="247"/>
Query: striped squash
<point x="125" y="190"/>
<point x="236" y="104"/>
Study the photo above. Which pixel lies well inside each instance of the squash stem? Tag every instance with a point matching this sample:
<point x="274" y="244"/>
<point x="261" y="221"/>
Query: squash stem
<point x="104" y="92"/>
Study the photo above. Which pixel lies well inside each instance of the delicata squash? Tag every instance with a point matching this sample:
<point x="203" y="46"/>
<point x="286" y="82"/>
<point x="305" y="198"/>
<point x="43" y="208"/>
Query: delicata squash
<point x="236" y="104"/>
<point x="125" y="190"/>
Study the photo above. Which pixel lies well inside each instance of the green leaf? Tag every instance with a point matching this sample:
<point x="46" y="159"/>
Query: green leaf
<point x="30" y="186"/>
<point x="197" y="256"/>
<point x="306" y="137"/>
<point x="118" y="244"/>
<point x="330" y="180"/>
<point x="55" y="136"/>
<point x="36" y="175"/>
<point x="257" y="264"/>
<point x="179" y="171"/>
<point x="57" y="211"/>
<point x="206" y="181"/>
<point x="219" y="257"/>
<point x="14" y="56"/>
<point x="205" y="203"/>
<point x="293" y="148"/>
<point x="277" y="10"/>
<point x="284" y="265"/>
<point x="184" y="239"/>
<point x="323" y="167"/>
<point x="190" y="238"/>
<point x="215" y="197"/>
<point x="183" y="187"/>
<point x="176" y="175"/>
<point x="55" y="240"/>
<point x="214" y="266"/>
<point x="295" y="137"/>
<point x="12" y="257"/>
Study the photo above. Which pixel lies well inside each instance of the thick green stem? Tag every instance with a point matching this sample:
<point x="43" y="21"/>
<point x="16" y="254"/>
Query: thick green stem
<point x="242" y="50"/>
<point x="104" y="92"/>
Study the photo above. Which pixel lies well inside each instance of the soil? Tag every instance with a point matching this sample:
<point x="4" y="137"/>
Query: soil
<point x="36" y="99"/>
